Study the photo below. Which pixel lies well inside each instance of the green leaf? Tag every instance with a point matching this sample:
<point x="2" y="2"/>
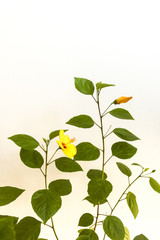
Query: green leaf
<point x="114" y="228"/>
<point x="123" y="150"/>
<point x="83" y="237"/>
<point x="55" y="134"/>
<point x="132" y="203"/>
<point x="86" y="152"/>
<point x="9" y="194"/>
<point x="28" y="229"/>
<point x="101" y="85"/>
<point x="125" y="134"/>
<point x="137" y="164"/>
<point x="90" y="233"/>
<point x="7" y="231"/>
<point x="61" y="186"/>
<point x="127" y="235"/>
<point x="121" y="113"/>
<point x="65" y="164"/>
<point x="124" y="169"/>
<point x="94" y="201"/>
<point x="96" y="173"/>
<point x="24" y="141"/>
<point x="31" y="158"/>
<point x="99" y="189"/>
<point x="86" y="220"/>
<point x="140" y="237"/>
<point x="154" y="184"/>
<point x="42" y="239"/>
<point x="15" y="219"/>
<point x="81" y="121"/>
<point x="84" y="86"/>
<point x="46" y="203"/>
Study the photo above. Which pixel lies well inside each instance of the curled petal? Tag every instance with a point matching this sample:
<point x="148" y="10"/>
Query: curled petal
<point x="122" y="100"/>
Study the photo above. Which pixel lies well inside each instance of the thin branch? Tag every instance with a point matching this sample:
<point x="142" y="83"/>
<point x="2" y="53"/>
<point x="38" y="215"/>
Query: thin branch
<point x="97" y="125"/>
<point x="49" y="162"/>
<point x="42" y="172"/>
<point x="108" y="160"/>
<point x="94" y="98"/>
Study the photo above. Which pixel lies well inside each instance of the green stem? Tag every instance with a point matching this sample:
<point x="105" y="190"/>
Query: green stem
<point x="54" y="228"/>
<point x="49" y="162"/>
<point x="105" y="112"/>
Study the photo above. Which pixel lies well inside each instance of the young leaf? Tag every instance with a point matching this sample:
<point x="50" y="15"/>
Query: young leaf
<point x="127" y="235"/>
<point x="61" y="186"/>
<point x="86" y="220"/>
<point x="25" y="141"/>
<point x="54" y="134"/>
<point x="65" y="164"/>
<point x="99" y="189"/>
<point x="124" y="169"/>
<point x="89" y="233"/>
<point x="84" y="86"/>
<point x="121" y="113"/>
<point x="125" y="134"/>
<point x="9" y="194"/>
<point x="96" y="173"/>
<point x="123" y="150"/>
<point x="114" y="228"/>
<point x="86" y="152"/>
<point x="7" y="231"/>
<point x="31" y="158"/>
<point x="45" y="203"/>
<point x="100" y="85"/>
<point x="81" y="121"/>
<point x="28" y="229"/>
<point x="154" y="184"/>
<point x="140" y="237"/>
<point x="137" y="164"/>
<point x="132" y="203"/>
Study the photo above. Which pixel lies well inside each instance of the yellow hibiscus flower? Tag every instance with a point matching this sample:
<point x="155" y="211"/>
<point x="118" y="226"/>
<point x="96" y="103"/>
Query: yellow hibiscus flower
<point x="66" y="145"/>
<point x="122" y="100"/>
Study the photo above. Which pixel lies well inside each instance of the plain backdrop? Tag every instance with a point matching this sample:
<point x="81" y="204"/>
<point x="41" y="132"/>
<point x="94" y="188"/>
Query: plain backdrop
<point x="43" y="46"/>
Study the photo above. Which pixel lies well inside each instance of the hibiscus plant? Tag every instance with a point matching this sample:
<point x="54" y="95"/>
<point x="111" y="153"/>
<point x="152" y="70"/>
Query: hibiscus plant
<point x="47" y="201"/>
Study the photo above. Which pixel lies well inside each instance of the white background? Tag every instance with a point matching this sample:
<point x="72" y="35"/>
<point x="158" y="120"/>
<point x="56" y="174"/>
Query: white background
<point x="43" y="46"/>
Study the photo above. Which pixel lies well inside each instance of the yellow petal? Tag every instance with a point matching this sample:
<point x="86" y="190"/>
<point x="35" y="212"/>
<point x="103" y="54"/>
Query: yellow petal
<point x="70" y="151"/>
<point x="60" y="144"/>
<point x="66" y="139"/>
<point x="122" y="100"/>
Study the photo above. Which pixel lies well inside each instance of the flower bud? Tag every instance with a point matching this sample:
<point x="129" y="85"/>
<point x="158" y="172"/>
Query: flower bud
<point x="122" y="100"/>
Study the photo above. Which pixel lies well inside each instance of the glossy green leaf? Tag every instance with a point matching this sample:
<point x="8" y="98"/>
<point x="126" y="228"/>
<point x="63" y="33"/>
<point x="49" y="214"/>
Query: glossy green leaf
<point x="140" y="237"/>
<point x="15" y="219"/>
<point x="65" y="164"/>
<point x="94" y="201"/>
<point x="86" y="152"/>
<point x="61" y="186"/>
<point x="101" y="85"/>
<point x="90" y="233"/>
<point x="123" y="150"/>
<point x="96" y="173"/>
<point x="132" y="203"/>
<point x="81" y="121"/>
<point x="28" y="229"/>
<point x="125" y="134"/>
<point x="9" y="194"/>
<point x="24" y="141"/>
<point x="154" y="184"/>
<point x="121" y="113"/>
<point x="7" y="231"/>
<point x="127" y="235"/>
<point x="46" y="203"/>
<point x="31" y="158"/>
<point x="114" y="228"/>
<point x="99" y="189"/>
<point x="55" y="134"/>
<point x="124" y="169"/>
<point x="86" y="220"/>
<point x="84" y="86"/>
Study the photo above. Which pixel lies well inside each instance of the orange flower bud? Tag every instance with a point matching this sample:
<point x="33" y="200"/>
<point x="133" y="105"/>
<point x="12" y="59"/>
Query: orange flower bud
<point x="122" y="100"/>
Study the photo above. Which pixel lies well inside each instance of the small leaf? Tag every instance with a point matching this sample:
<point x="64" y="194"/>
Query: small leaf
<point x="100" y="85"/>
<point x="61" y="186"/>
<point x="65" y="164"/>
<point x="127" y="235"/>
<point x="45" y="203"/>
<point x="124" y="169"/>
<point x="7" y="231"/>
<point x="28" y="229"/>
<point x="54" y="134"/>
<point x="123" y="150"/>
<point x="125" y="134"/>
<point x="154" y="184"/>
<point x="89" y="233"/>
<point x="84" y="86"/>
<point x="31" y="158"/>
<point x="121" y="113"/>
<point x="99" y="189"/>
<point x="81" y="121"/>
<point x="140" y="237"/>
<point x="96" y="173"/>
<point x="86" y="152"/>
<point x="9" y="194"/>
<point x="114" y="228"/>
<point x="86" y="220"/>
<point x="25" y="141"/>
<point x="136" y="164"/>
<point x="132" y="203"/>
